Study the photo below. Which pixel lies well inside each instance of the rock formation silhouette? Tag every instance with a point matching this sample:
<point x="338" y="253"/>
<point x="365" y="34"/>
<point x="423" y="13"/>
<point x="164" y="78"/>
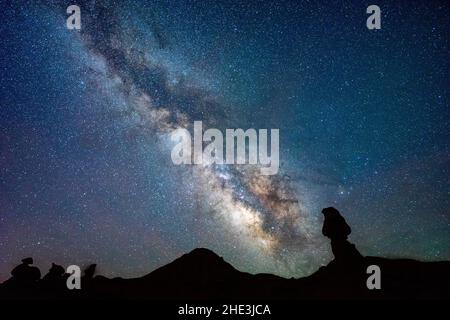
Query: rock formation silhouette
<point x="55" y="279"/>
<point x="88" y="276"/>
<point x="90" y="271"/>
<point x="25" y="275"/>
<point x="336" y="228"/>
<point x="203" y="275"/>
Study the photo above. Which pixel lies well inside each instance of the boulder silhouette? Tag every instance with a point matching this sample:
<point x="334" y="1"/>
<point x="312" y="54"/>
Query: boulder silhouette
<point x="25" y="275"/>
<point x="55" y="279"/>
<point x="334" y="226"/>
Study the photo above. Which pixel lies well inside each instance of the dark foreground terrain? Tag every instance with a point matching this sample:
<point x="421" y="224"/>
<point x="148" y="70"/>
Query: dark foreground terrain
<point x="203" y="275"/>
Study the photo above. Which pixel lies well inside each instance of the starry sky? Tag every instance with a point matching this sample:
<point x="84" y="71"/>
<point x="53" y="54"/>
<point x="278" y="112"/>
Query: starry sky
<point x="85" y="168"/>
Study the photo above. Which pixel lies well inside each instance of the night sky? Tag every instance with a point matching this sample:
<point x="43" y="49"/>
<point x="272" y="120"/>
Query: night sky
<point x="85" y="168"/>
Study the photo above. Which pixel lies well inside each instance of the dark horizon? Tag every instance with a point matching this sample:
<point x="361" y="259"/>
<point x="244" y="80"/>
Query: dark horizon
<point x="202" y="275"/>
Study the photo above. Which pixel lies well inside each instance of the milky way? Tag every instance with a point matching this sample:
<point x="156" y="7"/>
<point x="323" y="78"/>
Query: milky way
<point x="86" y="174"/>
<point x="264" y="212"/>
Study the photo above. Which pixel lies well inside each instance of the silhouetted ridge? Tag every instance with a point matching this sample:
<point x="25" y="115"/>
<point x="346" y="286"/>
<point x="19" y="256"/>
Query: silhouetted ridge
<point x="202" y="274"/>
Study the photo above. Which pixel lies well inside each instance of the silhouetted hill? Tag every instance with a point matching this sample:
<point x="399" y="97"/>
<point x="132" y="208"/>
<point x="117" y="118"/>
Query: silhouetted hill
<point x="201" y="264"/>
<point x="199" y="274"/>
